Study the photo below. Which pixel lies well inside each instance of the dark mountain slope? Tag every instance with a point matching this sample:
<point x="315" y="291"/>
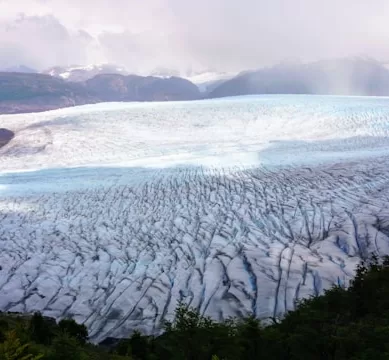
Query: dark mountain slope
<point x="23" y="92"/>
<point x="115" y="87"/>
<point x="335" y="77"/>
<point x="20" y="92"/>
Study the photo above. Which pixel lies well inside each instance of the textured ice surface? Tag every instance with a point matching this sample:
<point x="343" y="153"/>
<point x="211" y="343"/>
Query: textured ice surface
<point x="111" y="213"/>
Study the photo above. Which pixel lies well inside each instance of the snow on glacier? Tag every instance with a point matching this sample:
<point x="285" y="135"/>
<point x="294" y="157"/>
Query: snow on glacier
<point x="110" y="213"/>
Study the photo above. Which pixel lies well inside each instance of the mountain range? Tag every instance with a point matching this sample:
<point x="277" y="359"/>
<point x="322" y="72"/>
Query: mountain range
<point x="23" y="90"/>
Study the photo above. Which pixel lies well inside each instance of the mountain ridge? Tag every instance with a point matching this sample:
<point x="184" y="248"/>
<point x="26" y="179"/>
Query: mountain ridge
<point x="23" y="92"/>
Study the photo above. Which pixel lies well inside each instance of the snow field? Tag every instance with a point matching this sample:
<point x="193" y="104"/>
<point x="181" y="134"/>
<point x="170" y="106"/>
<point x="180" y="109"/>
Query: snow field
<point x="111" y="213"/>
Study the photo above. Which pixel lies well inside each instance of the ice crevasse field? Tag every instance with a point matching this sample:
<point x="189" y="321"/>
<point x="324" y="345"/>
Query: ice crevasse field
<point x="111" y="213"/>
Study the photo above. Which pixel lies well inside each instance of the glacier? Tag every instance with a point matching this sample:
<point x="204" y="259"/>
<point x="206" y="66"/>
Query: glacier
<point x="111" y="213"/>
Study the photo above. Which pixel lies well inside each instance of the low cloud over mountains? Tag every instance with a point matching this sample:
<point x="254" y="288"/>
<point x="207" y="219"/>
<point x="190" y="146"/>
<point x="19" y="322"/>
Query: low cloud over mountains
<point x="187" y="36"/>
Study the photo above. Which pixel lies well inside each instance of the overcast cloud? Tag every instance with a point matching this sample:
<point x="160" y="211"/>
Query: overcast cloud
<point x="182" y="35"/>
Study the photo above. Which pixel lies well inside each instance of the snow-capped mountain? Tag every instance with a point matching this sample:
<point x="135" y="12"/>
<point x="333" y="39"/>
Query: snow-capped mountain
<point x="207" y="81"/>
<point x="83" y="73"/>
<point x="164" y="73"/>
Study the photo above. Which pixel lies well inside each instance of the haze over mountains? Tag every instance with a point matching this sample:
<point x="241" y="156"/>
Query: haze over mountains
<point x="22" y="90"/>
<point x="328" y="77"/>
<point x="20" y="69"/>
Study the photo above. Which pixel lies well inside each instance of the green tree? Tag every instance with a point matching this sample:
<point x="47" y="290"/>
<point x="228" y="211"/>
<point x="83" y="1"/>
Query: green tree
<point x="192" y="336"/>
<point x="78" y="331"/>
<point x="40" y="330"/>
<point x="65" y="347"/>
<point x="249" y="335"/>
<point x="137" y="346"/>
<point x="4" y="327"/>
<point x="13" y="349"/>
<point x="123" y="348"/>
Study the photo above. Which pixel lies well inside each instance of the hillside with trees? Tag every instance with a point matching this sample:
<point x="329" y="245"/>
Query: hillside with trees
<point x="350" y="323"/>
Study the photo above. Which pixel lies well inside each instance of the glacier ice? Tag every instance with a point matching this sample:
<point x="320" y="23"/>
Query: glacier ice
<point x="111" y="213"/>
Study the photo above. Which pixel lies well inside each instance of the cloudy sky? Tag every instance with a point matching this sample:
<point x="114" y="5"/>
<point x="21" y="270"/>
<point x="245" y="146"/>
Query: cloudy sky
<point x="224" y="35"/>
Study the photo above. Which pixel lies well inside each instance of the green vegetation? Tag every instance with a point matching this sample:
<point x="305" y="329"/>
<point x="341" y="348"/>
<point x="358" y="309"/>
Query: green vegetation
<point x="24" y="337"/>
<point x="342" y="324"/>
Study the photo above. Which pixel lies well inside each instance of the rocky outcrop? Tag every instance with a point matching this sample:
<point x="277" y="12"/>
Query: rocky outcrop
<point x="6" y="136"/>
